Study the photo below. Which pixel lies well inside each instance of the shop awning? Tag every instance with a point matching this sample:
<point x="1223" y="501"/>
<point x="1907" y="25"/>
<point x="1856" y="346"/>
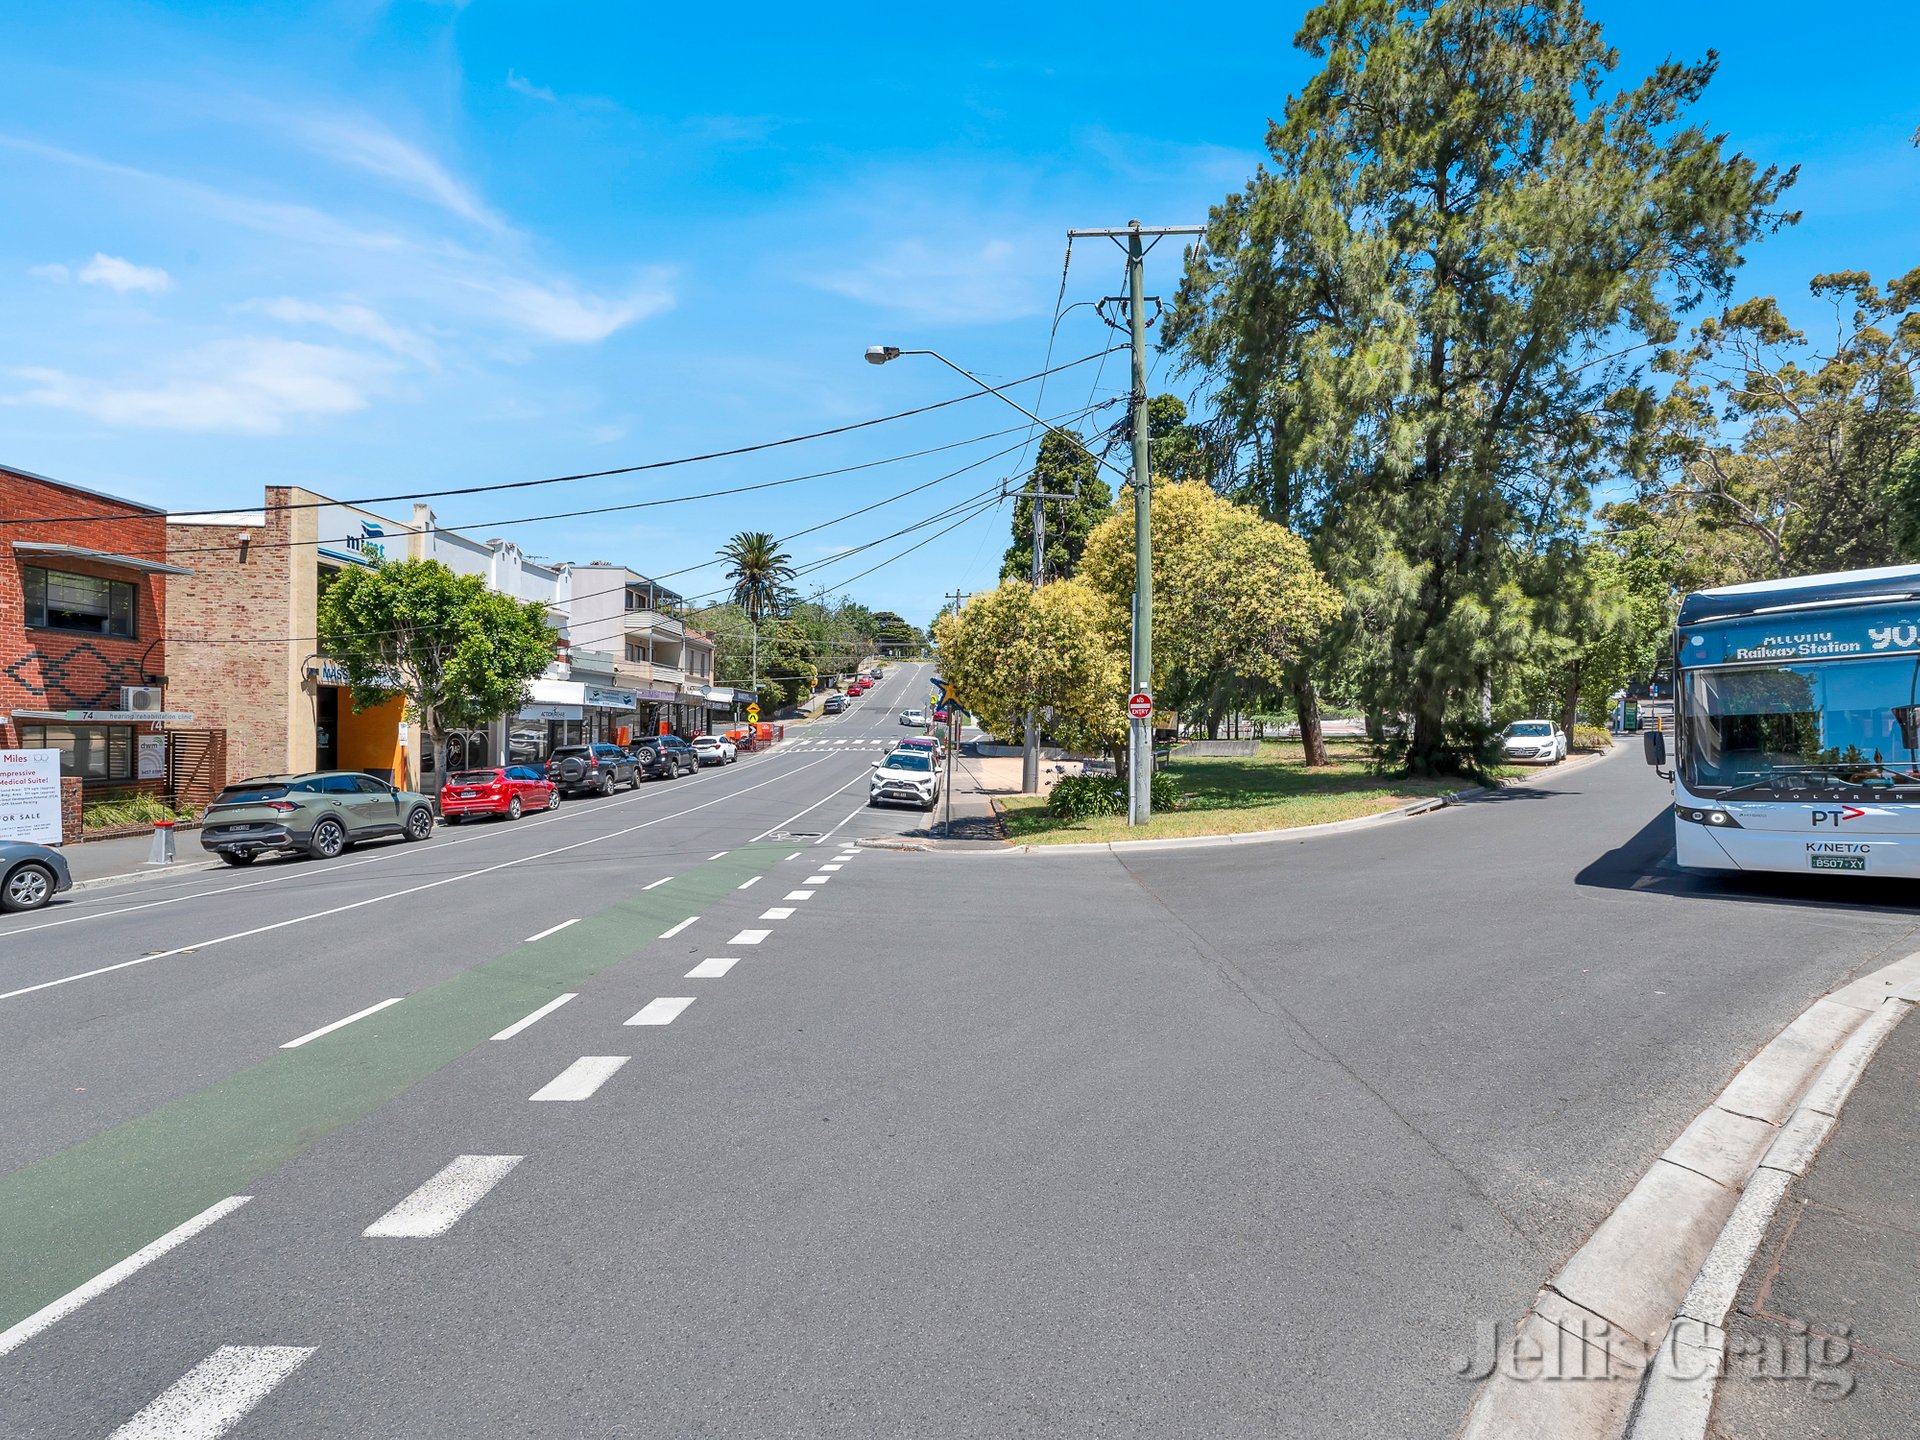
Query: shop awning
<point x="51" y="551"/>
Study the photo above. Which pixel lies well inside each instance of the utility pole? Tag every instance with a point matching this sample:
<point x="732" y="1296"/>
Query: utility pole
<point x="1132" y="238"/>
<point x="1030" y="746"/>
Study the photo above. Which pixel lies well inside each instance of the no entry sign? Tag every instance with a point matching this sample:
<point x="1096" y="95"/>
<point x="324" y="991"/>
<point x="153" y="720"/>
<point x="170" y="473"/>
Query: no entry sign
<point x="1140" y="705"/>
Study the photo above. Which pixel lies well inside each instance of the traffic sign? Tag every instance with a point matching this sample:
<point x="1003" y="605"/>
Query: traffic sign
<point x="753" y="712"/>
<point x="1140" y="705"/>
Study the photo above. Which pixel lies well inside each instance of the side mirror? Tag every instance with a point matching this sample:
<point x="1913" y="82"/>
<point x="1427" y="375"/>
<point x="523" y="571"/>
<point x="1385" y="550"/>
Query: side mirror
<point x="876" y="765"/>
<point x="1908" y="718"/>
<point x="1656" y="747"/>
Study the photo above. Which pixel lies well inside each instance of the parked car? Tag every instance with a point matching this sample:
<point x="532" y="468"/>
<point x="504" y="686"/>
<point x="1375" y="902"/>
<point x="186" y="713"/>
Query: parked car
<point x="714" y="750"/>
<point x="508" y="790"/>
<point x="940" y="717"/>
<point x="907" y="776"/>
<point x="835" y="704"/>
<point x="598" y="769"/>
<point x="932" y="744"/>
<point x="664" y="756"/>
<point x="318" y="814"/>
<point x="913" y="717"/>
<point x="31" y="875"/>
<point x="1534" y="741"/>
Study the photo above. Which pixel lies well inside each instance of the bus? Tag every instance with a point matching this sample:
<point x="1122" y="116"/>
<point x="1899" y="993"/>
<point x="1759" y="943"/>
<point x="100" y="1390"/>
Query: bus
<point x="1795" y="743"/>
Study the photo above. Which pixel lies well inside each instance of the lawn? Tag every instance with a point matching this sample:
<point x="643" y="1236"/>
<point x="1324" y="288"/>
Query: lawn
<point x="1272" y="791"/>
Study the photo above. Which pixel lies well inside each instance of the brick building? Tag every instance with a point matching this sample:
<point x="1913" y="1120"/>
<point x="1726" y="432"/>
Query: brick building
<point x="83" y="625"/>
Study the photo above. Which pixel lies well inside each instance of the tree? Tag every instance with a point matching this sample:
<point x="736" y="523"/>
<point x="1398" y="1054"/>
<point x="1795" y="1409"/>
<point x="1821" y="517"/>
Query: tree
<point x="1055" y="647"/>
<point x="894" y="635"/>
<point x="461" y="654"/>
<point x="1062" y="466"/>
<point x="760" y="571"/>
<point x="1233" y="594"/>
<point x="1427" y="313"/>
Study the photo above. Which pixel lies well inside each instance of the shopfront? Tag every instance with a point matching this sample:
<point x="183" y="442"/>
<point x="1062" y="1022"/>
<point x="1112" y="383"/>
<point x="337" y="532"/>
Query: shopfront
<point x="373" y="740"/>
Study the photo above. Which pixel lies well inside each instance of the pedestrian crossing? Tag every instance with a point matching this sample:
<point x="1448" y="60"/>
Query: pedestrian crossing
<point x="813" y="746"/>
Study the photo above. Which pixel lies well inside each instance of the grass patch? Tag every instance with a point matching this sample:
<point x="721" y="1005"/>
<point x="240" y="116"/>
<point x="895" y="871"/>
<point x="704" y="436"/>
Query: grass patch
<point x="1272" y="791"/>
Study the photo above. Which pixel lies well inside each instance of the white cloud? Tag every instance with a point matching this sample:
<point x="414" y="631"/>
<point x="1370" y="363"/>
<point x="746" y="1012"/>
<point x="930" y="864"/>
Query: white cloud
<point x="362" y="322"/>
<point x="946" y="280"/>
<point x="528" y="88"/>
<point x="559" y="312"/>
<point x="369" y="146"/>
<point x="58" y="273"/>
<point x="123" y="275"/>
<point x="243" y="387"/>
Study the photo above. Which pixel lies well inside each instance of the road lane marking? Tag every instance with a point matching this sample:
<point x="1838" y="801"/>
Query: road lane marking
<point x="828" y="869"/>
<point x="658" y="883"/>
<point x="668" y="935"/>
<point x="551" y="930"/>
<point x="214" y="1396"/>
<point x="748" y="884"/>
<point x="796" y="855"/>
<point x="14" y="1336"/>
<point x="402" y="894"/>
<point x="338" y="1024"/>
<point x="661" y="1011"/>
<point x="816" y="879"/>
<point x="775" y="830"/>
<point x="434" y="1208"/>
<point x="718" y="855"/>
<point x="714" y="968"/>
<point x="545" y="1010"/>
<point x="580" y="1079"/>
<point x="801" y="894"/>
<point x="779" y="912"/>
<point x="749" y="937"/>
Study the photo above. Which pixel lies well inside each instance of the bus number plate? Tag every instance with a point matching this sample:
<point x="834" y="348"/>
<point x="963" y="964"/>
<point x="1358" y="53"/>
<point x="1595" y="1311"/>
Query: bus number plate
<point x="1838" y="862"/>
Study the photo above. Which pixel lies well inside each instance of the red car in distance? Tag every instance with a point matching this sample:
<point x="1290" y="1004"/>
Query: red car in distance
<point x="509" y="790"/>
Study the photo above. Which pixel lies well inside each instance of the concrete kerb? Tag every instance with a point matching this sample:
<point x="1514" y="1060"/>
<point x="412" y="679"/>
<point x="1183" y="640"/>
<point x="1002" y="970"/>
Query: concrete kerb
<point x="1643" y="1302"/>
<point x="133" y="877"/>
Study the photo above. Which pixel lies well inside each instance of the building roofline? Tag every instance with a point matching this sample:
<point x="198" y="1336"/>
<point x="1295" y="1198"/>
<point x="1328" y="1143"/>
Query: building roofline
<point x="81" y="490"/>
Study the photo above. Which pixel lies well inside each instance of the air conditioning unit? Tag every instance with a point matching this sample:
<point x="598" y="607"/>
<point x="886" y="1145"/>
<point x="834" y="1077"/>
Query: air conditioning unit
<point x="142" y="697"/>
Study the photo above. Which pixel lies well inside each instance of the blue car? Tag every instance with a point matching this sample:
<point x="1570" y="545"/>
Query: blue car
<point x="31" y="875"/>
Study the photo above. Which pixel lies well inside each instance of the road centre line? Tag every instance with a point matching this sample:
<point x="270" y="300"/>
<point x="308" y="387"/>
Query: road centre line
<point x="749" y="937"/>
<point x="658" y="883"/>
<point x="669" y="934"/>
<point x="338" y="1024"/>
<point x="779" y="912"/>
<point x="551" y="930"/>
<point x="47" y="1316"/>
<point x="545" y="1010"/>
<point x="712" y="968"/>
<point x="401" y="894"/>
<point x="774" y="830"/>
<point x="214" y="1396"/>
<point x="663" y="1010"/>
<point x="748" y="884"/>
<point x="580" y="1079"/>
<point x="437" y="1206"/>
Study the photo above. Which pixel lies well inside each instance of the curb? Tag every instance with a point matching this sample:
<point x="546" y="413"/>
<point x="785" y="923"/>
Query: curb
<point x="1636" y="1312"/>
<point x="133" y="877"/>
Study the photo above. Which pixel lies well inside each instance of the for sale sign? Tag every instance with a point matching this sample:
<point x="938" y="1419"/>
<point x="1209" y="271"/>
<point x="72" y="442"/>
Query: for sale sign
<point x="30" y="795"/>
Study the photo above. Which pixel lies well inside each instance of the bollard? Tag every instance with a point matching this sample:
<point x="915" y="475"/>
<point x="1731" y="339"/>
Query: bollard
<point x="161" y="851"/>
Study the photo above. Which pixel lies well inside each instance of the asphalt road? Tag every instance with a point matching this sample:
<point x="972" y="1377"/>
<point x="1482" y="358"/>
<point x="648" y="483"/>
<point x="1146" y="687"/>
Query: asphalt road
<point x="1233" y="1141"/>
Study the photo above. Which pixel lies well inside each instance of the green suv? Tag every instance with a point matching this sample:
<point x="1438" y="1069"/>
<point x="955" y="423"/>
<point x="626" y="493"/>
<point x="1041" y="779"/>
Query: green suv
<point x="318" y="815"/>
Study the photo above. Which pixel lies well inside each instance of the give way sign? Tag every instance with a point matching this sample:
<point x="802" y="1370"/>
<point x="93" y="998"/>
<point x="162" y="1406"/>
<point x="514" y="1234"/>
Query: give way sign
<point x="1140" y="705"/>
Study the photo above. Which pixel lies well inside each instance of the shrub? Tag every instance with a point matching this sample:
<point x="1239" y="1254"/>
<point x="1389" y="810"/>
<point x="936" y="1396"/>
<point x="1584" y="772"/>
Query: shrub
<point x="1589" y="737"/>
<point x="1162" y="792"/>
<point x="139" y="808"/>
<point x="1076" y="797"/>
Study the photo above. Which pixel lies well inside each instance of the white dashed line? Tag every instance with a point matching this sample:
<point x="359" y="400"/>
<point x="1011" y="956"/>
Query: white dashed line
<point x="749" y="937"/>
<point x="329" y="1029"/>
<point x="663" y="1011"/>
<point x="801" y="894"/>
<point x="658" y="883"/>
<point x="779" y="912"/>
<point x="828" y="869"/>
<point x="718" y="855"/>
<point x="214" y="1396"/>
<point x="714" y="968"/>
<point x="796" y="855"/>
<point x="436" y="1206"/>
<point x="668" y="935"/>
<point x="47" y="1316"/>
<point x="540" y="1014"/>
<point x="817" y="879"/>
<point x="745" y="884"/>
<point x="582" y="1078"/>
<point x="551" y="930"/>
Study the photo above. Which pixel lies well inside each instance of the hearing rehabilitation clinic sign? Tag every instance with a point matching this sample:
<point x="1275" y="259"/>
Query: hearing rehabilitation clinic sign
<point x="30" y="795"/>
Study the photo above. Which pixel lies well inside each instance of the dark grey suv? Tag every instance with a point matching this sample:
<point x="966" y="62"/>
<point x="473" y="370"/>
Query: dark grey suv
<point x="664" y="756"/>
<point x="596" y="769"/>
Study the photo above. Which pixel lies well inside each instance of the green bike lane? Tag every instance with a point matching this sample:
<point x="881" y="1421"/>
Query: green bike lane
<point x="66" y="1218"/>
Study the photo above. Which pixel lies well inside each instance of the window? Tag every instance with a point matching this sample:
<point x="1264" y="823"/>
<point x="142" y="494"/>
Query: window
<point x="93" y="752"/>
<point x="367" y="785"/>
<point x="57" y="600"/>
<point x="636" y="653"/>
<point x="337" y="785"/>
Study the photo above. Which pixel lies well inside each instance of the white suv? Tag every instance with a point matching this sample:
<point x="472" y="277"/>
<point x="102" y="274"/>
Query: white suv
<point x="908" y="776"/>
<point x="913" y="717"/>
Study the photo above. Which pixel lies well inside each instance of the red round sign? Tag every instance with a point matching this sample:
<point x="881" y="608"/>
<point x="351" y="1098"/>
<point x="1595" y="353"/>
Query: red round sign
<point x="1140" y="706"/>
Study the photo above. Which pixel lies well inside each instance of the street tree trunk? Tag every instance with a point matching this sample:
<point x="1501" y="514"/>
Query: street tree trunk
<point x="1570" y="698"/>
<point x="1306" y="704"/>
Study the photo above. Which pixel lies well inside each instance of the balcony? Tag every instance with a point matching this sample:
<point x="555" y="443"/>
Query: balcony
<point x="654" y="622"/>
<point x="668" y="674"/>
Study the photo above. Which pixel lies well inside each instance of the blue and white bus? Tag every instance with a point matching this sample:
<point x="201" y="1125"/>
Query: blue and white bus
<point x="1796" y="739"/>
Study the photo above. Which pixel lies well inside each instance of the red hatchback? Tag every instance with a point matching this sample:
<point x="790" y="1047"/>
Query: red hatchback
<point x="508" y="790"/>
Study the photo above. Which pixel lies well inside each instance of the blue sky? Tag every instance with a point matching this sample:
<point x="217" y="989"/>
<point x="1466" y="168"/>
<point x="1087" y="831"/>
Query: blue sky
<point x="372" y="248"/>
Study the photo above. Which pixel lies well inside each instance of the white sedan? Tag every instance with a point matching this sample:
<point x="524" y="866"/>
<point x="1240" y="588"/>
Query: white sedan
<point x="913" y="717"/>
<point x="1539" y="742"/>
<point x="714" y="750"/>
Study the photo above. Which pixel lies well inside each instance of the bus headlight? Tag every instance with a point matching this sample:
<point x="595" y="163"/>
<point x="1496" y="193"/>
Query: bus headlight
<point x="1706" y="815"/>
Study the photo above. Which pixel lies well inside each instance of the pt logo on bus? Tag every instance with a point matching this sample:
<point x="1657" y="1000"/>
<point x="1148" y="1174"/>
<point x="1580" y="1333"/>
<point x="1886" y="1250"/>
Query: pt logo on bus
<point x="1834" y="817"/>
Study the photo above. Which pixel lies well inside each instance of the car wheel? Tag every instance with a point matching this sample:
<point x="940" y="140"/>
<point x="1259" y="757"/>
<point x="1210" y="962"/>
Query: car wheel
<point x="28" y="887"/>
<point x="633" y="778"/>
<point x="328" y="840"/>
<point x="606" y="783"/>
<point x="419" y="824"/>
<point x="513" y="808"/>
<point x="872" y="804"/>
<point x="238" y="857"/>
<point x="553" y="798"/>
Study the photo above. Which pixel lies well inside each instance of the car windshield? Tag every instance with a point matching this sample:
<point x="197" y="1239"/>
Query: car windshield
<point x="1530" y="729"/>
<point x="909" y="760"/>
<point x="1791" y="726"/>
<point x="472" y="777"/>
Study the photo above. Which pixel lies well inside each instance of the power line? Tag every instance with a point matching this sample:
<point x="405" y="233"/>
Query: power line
<point x="557" y="479"/>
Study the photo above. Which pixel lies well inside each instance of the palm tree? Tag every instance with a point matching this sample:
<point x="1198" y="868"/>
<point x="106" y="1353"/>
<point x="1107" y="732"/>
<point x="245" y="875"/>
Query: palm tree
<point x="760" y="572"/>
